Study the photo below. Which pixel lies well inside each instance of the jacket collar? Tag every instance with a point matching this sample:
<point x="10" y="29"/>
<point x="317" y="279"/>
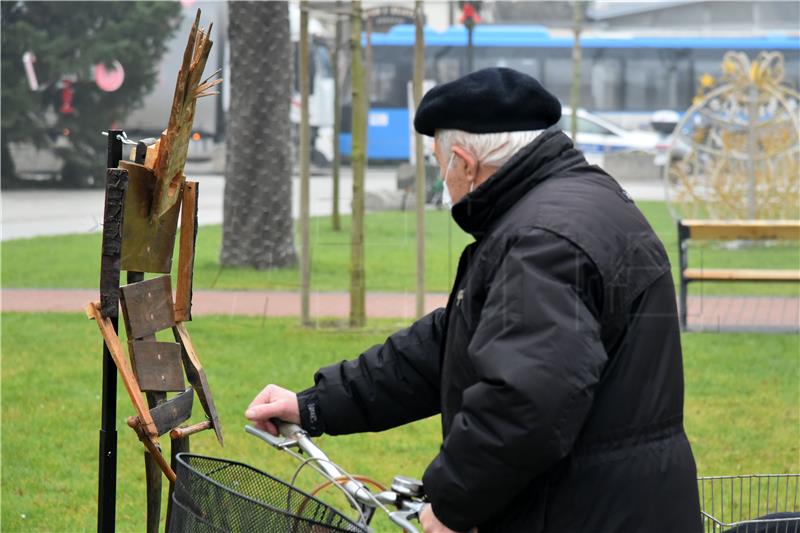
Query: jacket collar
<point x="549" y="153"/>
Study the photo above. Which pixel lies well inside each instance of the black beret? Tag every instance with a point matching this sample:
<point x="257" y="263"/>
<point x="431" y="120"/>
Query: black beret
<point x="487" y="101"/>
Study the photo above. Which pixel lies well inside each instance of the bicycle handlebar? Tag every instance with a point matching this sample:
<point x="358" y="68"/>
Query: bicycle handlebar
<point x="294" y="435"/>
<point x="408" y="504"/>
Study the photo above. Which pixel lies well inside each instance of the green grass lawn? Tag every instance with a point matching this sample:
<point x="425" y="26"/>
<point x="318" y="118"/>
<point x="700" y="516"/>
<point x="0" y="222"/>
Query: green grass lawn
<point x="74" y="261"/>
<point x="742" y="410"/>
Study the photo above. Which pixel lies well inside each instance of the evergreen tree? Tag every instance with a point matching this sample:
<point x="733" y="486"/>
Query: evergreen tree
<point x="68" y="39"/>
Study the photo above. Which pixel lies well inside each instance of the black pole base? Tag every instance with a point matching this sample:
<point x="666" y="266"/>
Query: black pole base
<point x="107" y="486"/>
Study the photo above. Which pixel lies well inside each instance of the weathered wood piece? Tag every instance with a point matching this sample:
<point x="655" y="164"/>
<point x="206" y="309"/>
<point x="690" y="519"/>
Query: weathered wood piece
<point x="147" y="243"/>
<point x="183" y="292"/>
<point x="185" y="431"/>
<point x="116" y="187"/>
<point x="157" y="365"/>
<point x="114" y="345"/>
<point x="152" y="473"/>
<point x="178" y="446"/>
<point x="151" y="468"/>
<point x="174" y="145"/>
<point x="147" y="307"/>
<point x="197" y="377"/>
<point x="152" y="447"/>
<point x="171" y="413"/>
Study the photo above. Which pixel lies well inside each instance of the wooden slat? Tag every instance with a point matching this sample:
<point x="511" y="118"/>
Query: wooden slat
<point x="152" y="468"/>
<point x="183" y="291"/>
<point x="147" y="243"/>
<point x="158" y="366"/>
<point x="134" y="422"/>
<point x="740" y="274"/>
<point x="116" y="189"/>
<point x="152" y="474"/>
<point x="170" y="414"/>
<point x="197" y="377"/>
<point x="180" y="445"/>
<point x="183" y="432"/>
<point x="147" y="307"/>
<point x="743" y="229"/>
<point x="128" y="378"/>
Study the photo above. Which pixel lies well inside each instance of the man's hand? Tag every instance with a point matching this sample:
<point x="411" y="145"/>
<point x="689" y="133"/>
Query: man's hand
<point x="273" y="402"/>
<point x="431" y="524"/>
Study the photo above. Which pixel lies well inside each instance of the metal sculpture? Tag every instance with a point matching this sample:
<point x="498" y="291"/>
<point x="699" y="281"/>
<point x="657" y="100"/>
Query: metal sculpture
<point x="735" y="153"/>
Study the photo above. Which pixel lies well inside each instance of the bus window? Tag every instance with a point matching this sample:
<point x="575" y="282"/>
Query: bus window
<point x="656" y="79"/>
<point x="558" y="75"/>
<point x="606" y="84"/>
<point x="524" y="59"/>
<point x="444" y="64"/>
<point x="391" y="70"/>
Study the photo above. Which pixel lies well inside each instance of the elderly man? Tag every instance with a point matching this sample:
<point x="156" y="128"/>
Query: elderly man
<point x="556" y="365"/>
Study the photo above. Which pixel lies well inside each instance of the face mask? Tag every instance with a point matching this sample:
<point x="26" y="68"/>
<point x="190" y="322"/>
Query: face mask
<point x="447" y="200"/>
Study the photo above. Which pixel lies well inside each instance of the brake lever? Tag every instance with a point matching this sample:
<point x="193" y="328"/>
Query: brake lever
<point x="403" y="519"/>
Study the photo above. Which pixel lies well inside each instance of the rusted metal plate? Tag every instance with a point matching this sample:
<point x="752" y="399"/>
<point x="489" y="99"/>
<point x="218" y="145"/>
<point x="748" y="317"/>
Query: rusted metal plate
<point x="147" y="243"/>
<point x="158" y="366"/>
<point x="147" y="307"/>
<point x="170" y="414"/>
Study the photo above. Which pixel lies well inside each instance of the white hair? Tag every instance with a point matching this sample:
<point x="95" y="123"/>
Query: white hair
<point x="493" y="149"/>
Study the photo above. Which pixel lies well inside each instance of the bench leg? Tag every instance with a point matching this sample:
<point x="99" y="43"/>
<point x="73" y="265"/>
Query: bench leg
<point x="683" y="305"/>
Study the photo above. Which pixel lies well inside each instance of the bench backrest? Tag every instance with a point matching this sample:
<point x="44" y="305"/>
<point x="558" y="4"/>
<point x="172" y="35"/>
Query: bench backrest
<point x="761" y="230"/>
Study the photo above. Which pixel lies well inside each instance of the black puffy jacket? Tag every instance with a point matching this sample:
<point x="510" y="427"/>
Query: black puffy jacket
<point x="556" y="365"/>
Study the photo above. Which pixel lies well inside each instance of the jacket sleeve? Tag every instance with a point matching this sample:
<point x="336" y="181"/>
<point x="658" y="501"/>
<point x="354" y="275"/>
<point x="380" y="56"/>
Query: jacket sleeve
<point x="538" y="356"/>
<point x="388" y="385"/>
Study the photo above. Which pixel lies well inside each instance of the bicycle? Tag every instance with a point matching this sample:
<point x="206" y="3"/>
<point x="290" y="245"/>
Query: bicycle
<point x="219" y="495"/>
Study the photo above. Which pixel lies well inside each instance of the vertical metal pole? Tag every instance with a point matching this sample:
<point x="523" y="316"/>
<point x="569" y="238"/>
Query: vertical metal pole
<point x="470" y="49"/>
<point x="305" y="155"/>
<point x="107" y="468"/>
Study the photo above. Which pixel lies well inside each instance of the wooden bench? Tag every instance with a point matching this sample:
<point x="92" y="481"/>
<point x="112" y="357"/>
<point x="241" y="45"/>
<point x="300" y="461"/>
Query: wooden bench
<point x="732" y="230"/>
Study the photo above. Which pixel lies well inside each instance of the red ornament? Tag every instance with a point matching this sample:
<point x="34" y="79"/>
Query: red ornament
<point x="109" y="80"/>
<point x="469" y="13"/>
<point x="66" y="97"/>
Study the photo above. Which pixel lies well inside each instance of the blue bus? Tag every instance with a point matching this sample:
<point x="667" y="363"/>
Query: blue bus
<point x="623" y="77"/>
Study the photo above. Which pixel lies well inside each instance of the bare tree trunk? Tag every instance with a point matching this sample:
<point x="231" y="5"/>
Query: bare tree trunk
<point x="337" y="120"/>
<point x="357" y="283"/>
<point x="257" y="226"/>
<point x="419" y="72"/>
<point x="305" y="157"/>
<point x="575" y="95"/>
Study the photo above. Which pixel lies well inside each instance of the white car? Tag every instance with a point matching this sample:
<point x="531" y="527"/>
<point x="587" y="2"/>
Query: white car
<point x="598" y="137"/>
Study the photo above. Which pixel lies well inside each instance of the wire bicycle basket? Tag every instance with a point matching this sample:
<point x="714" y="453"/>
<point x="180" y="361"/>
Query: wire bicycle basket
<point x="757" y="503"/>
<point x="217" y="495"/>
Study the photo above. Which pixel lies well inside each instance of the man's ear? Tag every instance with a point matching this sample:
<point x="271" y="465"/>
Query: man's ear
<point x="471" y="170"/>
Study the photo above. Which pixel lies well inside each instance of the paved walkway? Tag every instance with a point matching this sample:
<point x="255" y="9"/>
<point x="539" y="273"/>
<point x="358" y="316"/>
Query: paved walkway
<point x="708" y="313"/>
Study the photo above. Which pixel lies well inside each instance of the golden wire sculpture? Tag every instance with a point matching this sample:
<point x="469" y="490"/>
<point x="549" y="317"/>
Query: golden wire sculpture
<point x="735" y="153"/>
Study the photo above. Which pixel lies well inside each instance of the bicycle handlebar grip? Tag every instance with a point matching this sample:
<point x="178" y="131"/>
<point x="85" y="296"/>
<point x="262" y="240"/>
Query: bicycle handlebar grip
<point x="288" y="429"/>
